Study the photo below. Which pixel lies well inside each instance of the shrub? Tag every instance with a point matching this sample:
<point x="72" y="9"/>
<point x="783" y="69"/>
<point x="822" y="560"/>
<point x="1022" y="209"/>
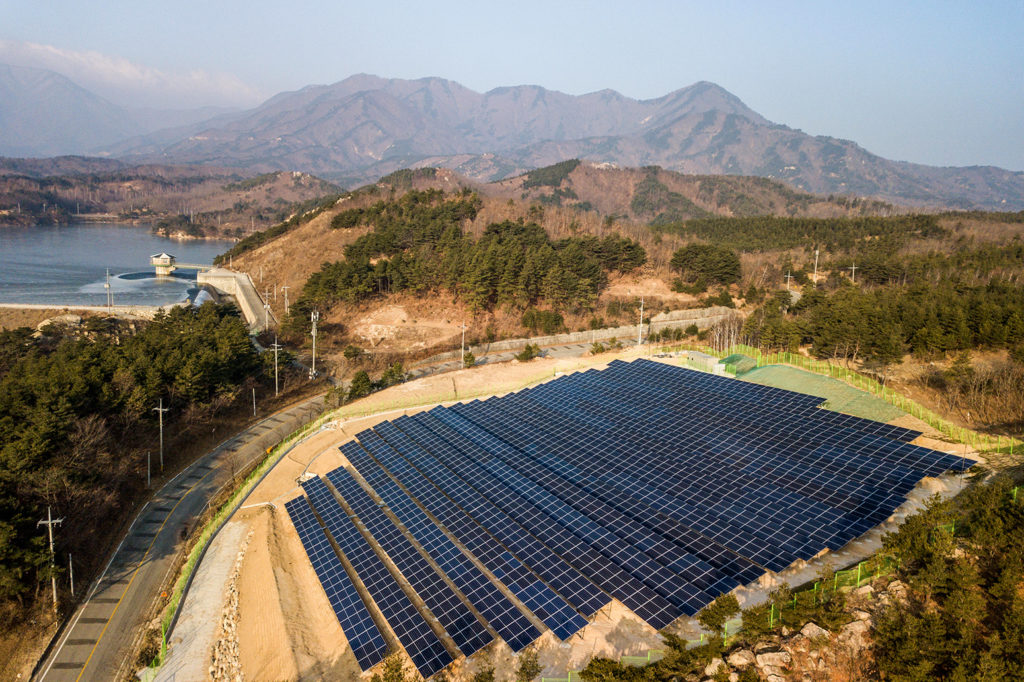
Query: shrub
<point x="706" y="263"/>
<point x="531" y="351"/>
<point x="360" y="386"/>
<point x="546" y="321"/>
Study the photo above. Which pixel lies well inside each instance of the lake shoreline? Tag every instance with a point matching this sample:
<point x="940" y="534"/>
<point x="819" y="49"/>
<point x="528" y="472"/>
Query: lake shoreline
<point x="47" y="266"/>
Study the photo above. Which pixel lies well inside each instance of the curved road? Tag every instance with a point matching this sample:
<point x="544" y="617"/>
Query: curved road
<point x="102" y="635"/>
<point x="99" y="639"/>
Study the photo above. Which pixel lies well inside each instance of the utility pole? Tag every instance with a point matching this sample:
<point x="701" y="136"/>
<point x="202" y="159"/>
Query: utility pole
<point x="963" y="460"/>
<point x="276" y="348"/>
<point x="71" y="574"/>
<point x="816" y="266"/>
<point x="49" y="523"/>
<point x="788" y="278"/>
<point x="313" y="317"/>
<point x="161" y="409"/>
<point x="110" y="294"/>
<point x="640" y="327"/>
<point x="266" y="316"/>
<point x="148" y="468"/>
<point x="462" y="349"/>
<point x="853" y="272"/>
<point x="285" y="290"/>
<point x="254" y="401"/>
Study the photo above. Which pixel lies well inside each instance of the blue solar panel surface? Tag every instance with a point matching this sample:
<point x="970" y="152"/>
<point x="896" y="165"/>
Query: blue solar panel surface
<point x="527" y="586"/>
<point x="456" y="618"/>
<point x="500" y="613"/>
<point x="656" y="485"/>
<point x="423" y="646"/>
<point x="363" y="636"/>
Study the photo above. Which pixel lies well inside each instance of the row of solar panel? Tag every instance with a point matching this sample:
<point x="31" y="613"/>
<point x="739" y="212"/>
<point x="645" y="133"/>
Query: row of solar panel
<point x="659" y="486"/>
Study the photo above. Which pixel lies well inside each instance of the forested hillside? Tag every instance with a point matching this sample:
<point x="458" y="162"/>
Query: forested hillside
<point x="76" y="417"/>
<point x="418" y="244"/>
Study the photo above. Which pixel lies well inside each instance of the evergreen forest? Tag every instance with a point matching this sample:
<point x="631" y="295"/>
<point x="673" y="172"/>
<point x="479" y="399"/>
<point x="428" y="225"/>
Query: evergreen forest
<point x="76" y="411"/>
<point x="418" y="245"/>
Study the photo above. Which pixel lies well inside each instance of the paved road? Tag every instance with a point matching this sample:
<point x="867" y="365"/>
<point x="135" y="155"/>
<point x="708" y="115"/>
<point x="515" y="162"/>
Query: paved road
<point x="103" y="632"/>
<point x="101" y="636"/>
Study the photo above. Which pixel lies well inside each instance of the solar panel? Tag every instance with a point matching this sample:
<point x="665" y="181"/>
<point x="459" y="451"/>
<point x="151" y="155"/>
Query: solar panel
<point x="590" y="518"/>
<point x="367" y="643"/>
<point x="500" y="613"/>
<point x="566" y="580"/>
<point x="660" y="486"/>
<point x="552" y="609"/>
<point x="423" y="646"/>
<point x="644" y="601"/>
<point x="455" y="617"/>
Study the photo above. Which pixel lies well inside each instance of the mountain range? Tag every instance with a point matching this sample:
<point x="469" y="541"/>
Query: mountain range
<point x="364" y="127"/>
<point x="44" y="114"/>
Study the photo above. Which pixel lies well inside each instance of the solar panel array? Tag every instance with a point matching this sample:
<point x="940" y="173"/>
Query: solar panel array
<point x="659" y="486"/>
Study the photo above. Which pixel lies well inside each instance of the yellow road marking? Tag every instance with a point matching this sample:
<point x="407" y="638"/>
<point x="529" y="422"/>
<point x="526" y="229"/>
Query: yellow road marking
<point x="153" y="542"/>
<point x="136" y="572"/>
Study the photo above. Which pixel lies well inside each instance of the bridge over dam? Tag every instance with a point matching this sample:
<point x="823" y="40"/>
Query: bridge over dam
<point x="240" y="286"/>
<point x="226" y="282"/>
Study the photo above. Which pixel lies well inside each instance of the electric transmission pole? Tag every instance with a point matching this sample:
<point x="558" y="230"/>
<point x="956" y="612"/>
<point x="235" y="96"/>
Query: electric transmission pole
<point x="276" y="348"/>
<point x="640" y="327"/>
<point x="161" y="409"/>
<point x="285" y="290"/>
<point x="50" y="522"/>
<point x="313" y="317"/>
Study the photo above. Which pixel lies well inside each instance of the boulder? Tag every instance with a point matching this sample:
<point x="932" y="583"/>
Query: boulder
<point x="855" y="635"/>
<point x="712" y="668"/>
<point x="775" y="659"/>
<point x="897" y="589"/>
<point x="741" y="658"/>
<point x="864" y="592"/>
<point x="861" y="615"/>
<point x="812" y="630"/>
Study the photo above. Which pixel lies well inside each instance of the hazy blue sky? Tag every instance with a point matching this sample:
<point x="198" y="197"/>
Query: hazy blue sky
<point x="932" y="82"/>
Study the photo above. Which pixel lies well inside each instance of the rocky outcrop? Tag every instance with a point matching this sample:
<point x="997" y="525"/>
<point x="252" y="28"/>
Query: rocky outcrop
<point x="226" y="665"/>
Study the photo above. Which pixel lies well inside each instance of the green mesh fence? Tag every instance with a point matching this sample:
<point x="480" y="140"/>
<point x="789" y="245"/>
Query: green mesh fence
<point x="981" y="442"/>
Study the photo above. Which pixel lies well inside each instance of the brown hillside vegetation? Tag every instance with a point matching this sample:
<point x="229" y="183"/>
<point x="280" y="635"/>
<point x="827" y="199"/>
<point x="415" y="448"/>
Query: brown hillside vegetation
<point x="216" y="201"/>
<point x="611" y="193"/>
<point x="653" y="194"/>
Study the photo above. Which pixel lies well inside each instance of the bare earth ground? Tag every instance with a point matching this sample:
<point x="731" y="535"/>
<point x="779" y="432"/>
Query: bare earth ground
<point x="13" y="318"/>
<point x="286" y="629"/>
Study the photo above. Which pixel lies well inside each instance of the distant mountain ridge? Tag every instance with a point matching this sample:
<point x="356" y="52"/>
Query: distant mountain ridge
<point x="43" y="113"/>
<point x="364" y="127"/>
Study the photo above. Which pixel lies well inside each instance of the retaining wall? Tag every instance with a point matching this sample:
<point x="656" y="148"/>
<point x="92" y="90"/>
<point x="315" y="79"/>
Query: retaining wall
<point x="702" y="317"/>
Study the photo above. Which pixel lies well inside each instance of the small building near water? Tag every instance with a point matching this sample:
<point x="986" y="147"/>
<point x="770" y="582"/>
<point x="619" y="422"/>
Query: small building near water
<point x="164" y="264"/>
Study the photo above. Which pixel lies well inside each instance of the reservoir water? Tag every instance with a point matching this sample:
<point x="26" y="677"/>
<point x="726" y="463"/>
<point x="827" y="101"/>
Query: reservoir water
<point x="67" y="264"/>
